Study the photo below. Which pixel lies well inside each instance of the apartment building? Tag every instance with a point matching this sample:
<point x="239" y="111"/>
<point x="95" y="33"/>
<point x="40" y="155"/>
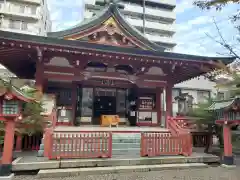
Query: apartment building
<point x="25" y="16"/>
<point x="155" y="19"/>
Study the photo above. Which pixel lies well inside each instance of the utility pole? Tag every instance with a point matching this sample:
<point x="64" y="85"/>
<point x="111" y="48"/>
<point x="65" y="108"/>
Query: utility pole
<point x="143" y="16"/>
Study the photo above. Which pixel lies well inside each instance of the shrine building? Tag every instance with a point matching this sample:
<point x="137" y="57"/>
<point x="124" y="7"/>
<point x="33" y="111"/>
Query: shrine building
<point x="103" y="66"/>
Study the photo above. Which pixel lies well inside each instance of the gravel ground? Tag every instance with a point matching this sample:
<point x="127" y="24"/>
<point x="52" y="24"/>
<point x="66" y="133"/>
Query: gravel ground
<point x="212" y="173"/>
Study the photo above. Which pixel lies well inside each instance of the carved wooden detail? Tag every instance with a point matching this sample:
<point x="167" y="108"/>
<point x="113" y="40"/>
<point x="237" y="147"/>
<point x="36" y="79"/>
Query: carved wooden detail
<point x="59" y="61"/>
<point x="114" y="39"/>
<point x="109" y="33"/>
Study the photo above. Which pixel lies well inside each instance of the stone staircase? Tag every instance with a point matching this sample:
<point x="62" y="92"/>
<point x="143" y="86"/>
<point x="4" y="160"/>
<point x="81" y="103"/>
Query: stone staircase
<point x="126" y="144"/>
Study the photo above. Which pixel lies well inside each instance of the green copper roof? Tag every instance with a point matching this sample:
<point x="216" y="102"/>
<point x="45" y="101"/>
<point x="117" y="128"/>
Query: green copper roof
<point x="110" y="11"/>
<point x="15" y="91"/>
<point x="218" y="105"/>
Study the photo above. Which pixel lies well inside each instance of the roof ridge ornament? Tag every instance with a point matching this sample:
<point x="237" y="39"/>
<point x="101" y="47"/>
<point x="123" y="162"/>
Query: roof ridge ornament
<point x="108" y="2"/>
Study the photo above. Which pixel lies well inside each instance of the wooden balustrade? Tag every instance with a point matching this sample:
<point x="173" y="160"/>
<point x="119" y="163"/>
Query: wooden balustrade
<point x="200" y="138"/>
<point x="90" y="144"/>
<point x="162" y="143"/>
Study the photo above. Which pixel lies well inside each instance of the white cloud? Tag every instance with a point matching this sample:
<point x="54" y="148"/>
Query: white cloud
<point x="199" y="20"/>
<point x="183" y="6"/>
<point x="65" y="13"/>
<point x="191" y="34"/>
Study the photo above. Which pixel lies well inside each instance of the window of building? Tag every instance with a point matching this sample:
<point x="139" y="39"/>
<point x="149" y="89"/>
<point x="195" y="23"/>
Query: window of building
<point x="220" y="95"/>
<point x="33" y="10"/>
<point x="202" y="96"/>
<point x="17" y="24"/>
<point x="18" y="8"/>
<point x="24" y="26"/>
<point x="175" y="93"/>
<point x="21" y="8"/>
<point x="14" y="24"/>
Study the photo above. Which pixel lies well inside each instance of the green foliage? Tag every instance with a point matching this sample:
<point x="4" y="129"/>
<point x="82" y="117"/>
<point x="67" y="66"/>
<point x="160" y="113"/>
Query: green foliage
<point x="31" y="113"/>
<point x="1" y="140"/>
<point x="202" y="114"/>
<point x="205" y="117"/>
<point x="32" y="117"/>
<point x="218" y="4"/>
<point x="233" y="84"/>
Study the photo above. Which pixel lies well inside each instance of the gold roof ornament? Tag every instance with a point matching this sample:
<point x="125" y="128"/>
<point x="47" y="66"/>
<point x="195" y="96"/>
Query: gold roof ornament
<point x="110" y="22"/>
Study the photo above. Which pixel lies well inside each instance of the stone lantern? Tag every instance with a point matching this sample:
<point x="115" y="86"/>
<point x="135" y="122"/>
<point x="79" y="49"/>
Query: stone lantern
<point x="185" y="104"/>
<point x="11" y="101"/>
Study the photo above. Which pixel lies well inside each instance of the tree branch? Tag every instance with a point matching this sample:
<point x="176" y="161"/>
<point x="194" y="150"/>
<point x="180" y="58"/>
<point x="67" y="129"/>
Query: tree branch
<point x="218" y="4"/>
<point x="223" y="41"/>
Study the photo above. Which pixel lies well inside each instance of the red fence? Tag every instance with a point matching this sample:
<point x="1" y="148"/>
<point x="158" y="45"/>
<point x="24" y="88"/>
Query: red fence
<point x="94" y="144"/>
<point x="200" y="138"/>
<point x="160" y="143"/>
<point x="80" y="145"/>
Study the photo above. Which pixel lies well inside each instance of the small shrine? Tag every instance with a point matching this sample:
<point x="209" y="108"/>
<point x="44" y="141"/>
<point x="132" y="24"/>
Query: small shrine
<point x="11" y="103"/>
<point x="227" y="114"/>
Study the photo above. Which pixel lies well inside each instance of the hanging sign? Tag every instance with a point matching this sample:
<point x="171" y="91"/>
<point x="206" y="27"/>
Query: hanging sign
<point x="108" y="82"/>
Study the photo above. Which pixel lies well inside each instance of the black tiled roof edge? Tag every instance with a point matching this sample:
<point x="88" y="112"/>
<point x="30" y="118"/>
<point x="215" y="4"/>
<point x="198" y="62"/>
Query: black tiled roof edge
<point x="61" y="43"/>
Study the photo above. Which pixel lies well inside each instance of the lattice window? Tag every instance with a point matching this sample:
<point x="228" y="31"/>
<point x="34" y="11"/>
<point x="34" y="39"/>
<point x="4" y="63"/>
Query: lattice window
<point x="10" y="107"/>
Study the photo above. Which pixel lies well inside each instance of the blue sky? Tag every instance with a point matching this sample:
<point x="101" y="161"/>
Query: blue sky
<point x="192" y="24"/>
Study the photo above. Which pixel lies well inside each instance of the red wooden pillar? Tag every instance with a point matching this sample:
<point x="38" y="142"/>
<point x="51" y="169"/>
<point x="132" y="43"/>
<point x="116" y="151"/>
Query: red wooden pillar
<point x="169" y="100"/>
<point x="48" y="141"/>
<point x="7" y="155"/>
<point x="39" y="71"/>
<point x="74" y="102"/>
<point x="158" y="105"/>
<point x="227" y="138"/>
<point x="18" y="143"/>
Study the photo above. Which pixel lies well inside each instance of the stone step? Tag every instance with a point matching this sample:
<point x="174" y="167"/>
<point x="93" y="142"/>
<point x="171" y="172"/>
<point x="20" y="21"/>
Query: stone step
<point x="106" y="162"/>
<point x="125" y="146"/>
<point x="55" y="173"/>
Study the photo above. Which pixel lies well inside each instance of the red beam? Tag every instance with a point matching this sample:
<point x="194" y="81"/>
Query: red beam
<point x="59" y="77"/>
<point x="61" y="69"/>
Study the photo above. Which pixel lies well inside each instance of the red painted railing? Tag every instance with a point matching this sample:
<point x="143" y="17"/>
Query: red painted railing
<point x="80" y="145"/>
<point x="200" y="138"/>
<point x="163" y="143"/>
<point x="176" y="142"/>
<point x="182" y="133"/>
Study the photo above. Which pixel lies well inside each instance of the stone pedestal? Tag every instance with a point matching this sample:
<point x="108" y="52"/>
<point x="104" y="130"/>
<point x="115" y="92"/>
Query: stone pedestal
<point x="10" y="177"/>
<point x="228" y="160"/>
<point x="41" y="148"/>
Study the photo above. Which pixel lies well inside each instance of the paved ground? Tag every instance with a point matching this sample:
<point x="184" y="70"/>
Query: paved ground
<point x="213" y="173"/>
